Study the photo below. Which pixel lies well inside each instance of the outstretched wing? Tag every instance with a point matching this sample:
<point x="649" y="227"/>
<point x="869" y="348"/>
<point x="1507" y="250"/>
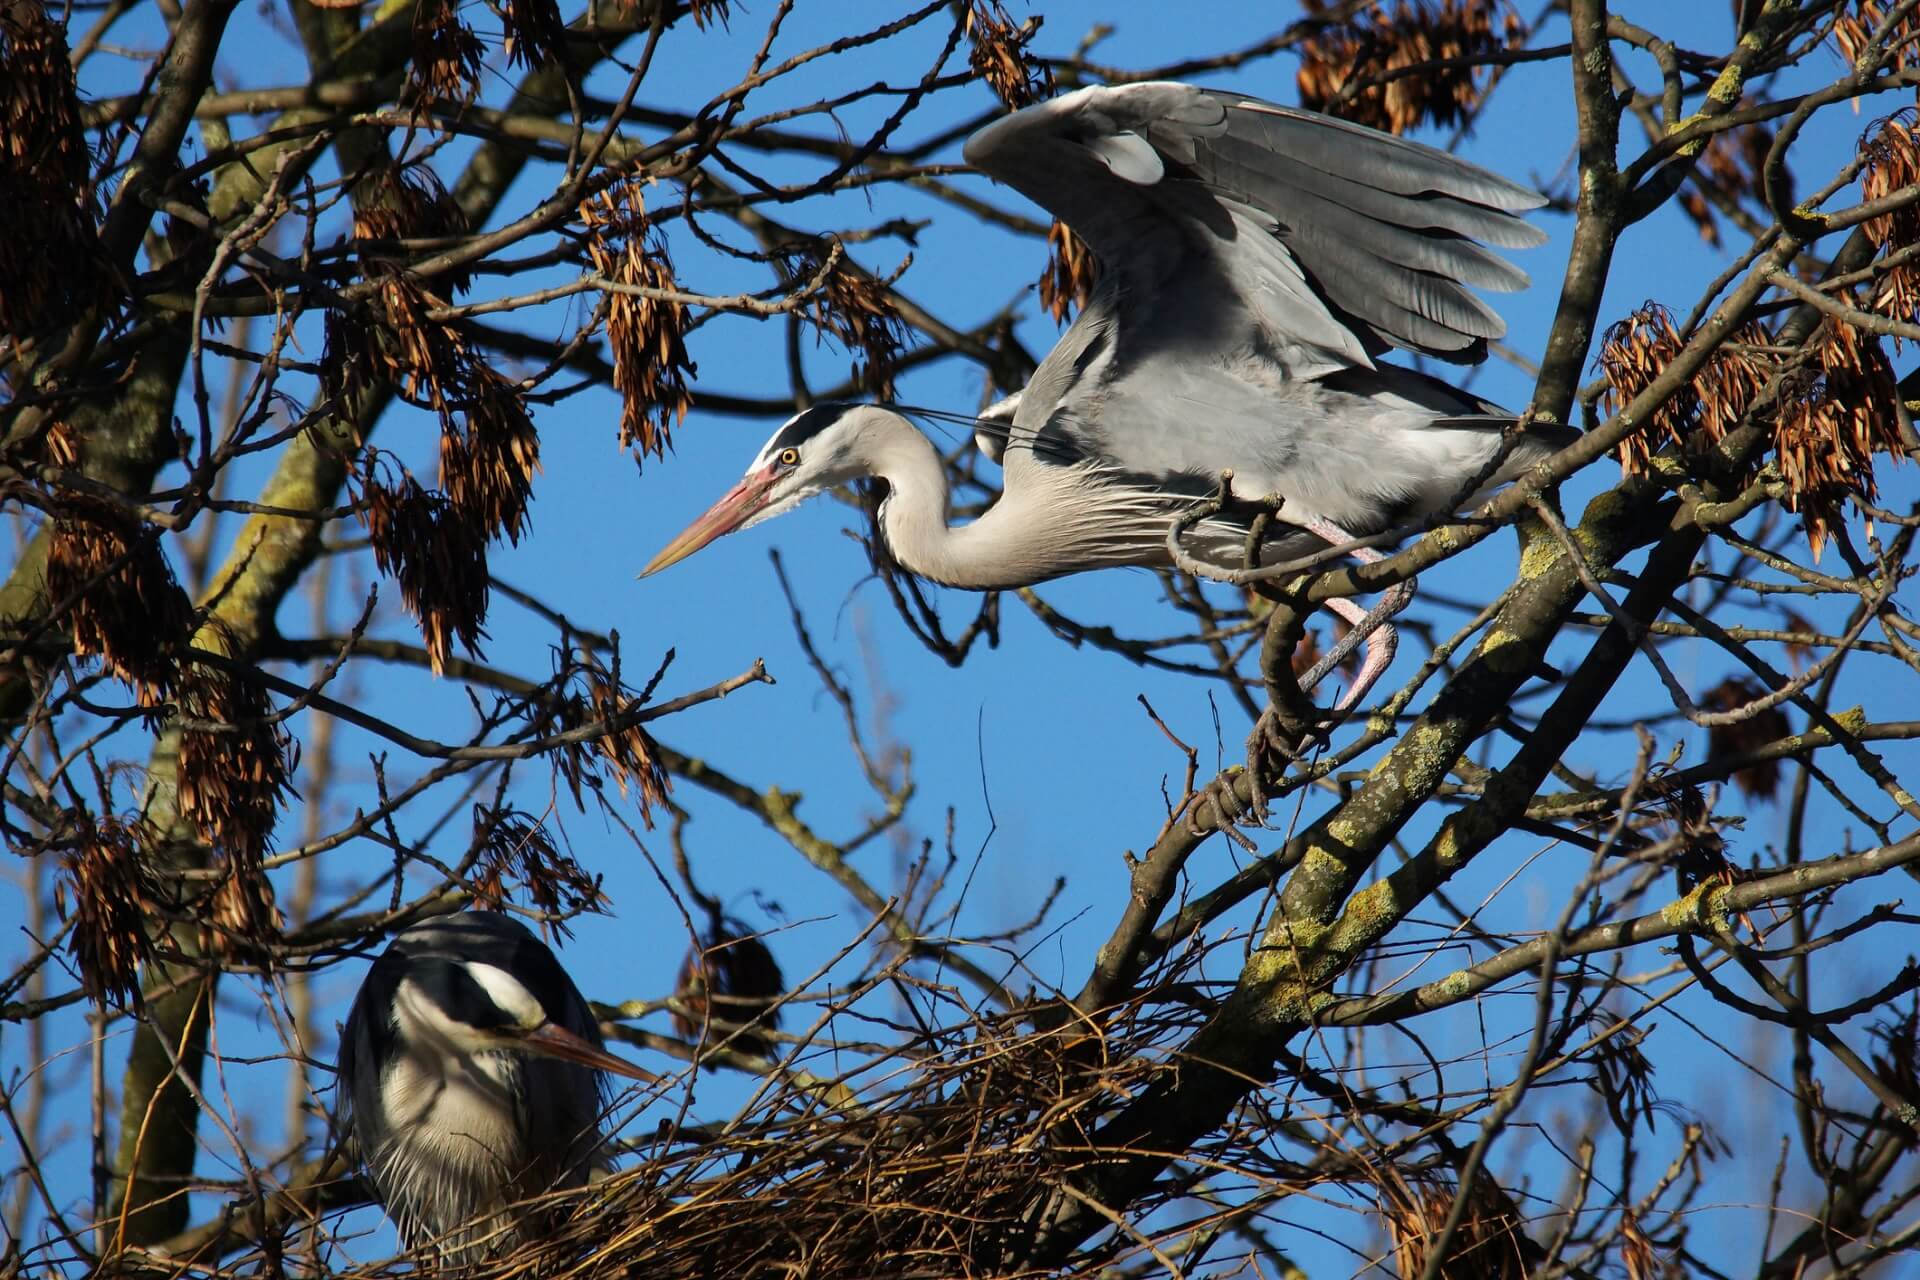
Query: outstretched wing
<point x="1336" y="240"/>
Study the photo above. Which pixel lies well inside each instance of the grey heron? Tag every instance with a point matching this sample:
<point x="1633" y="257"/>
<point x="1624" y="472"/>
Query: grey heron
<point x="1257" y="260"/>
<point x="470" y="1075"/>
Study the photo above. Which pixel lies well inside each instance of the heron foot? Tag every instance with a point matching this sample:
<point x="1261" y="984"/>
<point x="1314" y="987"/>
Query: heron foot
<point x="1228" y="810"/>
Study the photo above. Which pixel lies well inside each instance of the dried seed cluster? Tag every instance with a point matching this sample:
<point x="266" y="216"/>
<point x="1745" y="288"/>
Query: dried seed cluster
<point x="1890" y="156"/>
<point x="105" y="890"/>
<point x="1828" y="421"/>
<point x="1853" y="31"/>
<point x="433" y="544"/>
<point x="627" y="749"/>
<point x="235" y="762"/>
<point x="1830" y="426"/>
<point x="122" y="603"/>
<point x="645" y="329"/>
<point x="516" y="852"/>
<point x="445" y="54"/>
<point x="243" y="922"/>
<point x="47" y="255"/>
<point x="594" y="694"/>
<point x="406" y="202"/>
<point x="1338" y="62"/>
<point x="853" y="308"/>
<point x="1636" y="350"/>
<point x="438" y="559"/>
<point x="1072" y="271"/>
<point x="999" y="55"/>
<point x="707" y="12"/>
<point x="1484" y="1246"/>
<point x="535" y="32"/>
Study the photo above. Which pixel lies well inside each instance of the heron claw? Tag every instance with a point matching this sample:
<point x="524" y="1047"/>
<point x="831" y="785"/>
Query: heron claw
<point x="1228" y="811"/>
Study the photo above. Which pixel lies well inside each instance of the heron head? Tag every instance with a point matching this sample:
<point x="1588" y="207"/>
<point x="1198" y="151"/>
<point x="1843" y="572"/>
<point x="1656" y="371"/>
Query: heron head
<point x="482" y="1008"/>
<point x="810" y="453"/>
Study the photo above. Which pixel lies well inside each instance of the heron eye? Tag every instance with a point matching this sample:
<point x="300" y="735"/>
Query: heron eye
<point x="789" y="457"/>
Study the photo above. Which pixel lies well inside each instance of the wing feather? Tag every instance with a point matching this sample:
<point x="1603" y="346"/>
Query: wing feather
<point x="1337" y="240"/>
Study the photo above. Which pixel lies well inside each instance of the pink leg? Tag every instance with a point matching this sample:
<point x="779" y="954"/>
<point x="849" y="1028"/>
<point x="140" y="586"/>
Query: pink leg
<point x="1370" y="626"/>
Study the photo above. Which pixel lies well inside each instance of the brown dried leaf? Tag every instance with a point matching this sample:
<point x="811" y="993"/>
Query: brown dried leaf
<point x="487" y="470"/>
<point x="1799" y="653"/>
<point x="1484" y="1246"/>
<point x="1338" y="60"/>
<point x="1700" y="213"/>
<point x="122" y="603"/>
<point x="1830" y="426"/>
<point x="243" y="922"/>
<point x="1761" y="779"/>
<point x="1891" y="162"/>
<point x="436" y="555"/>
<point x="1000" y="57"/>
<point x="1732" y="166"/>
<point x="646" y="333"/>
<point x="1735" y="159"/>
<point x="1636" y="350"/>
<point x="445" y="54"/>
<point x="106" y="889"/>
<point x="1636" y="1251"/>
<point x="407" y="202"/>
<point x="1853" y="31"/>
<point x="49" y="262"/>
<point x="535" y="32"/>
<point x="516" y="851"/>
<point x="1072" y="272"/>
<point x="730" y="977"/>
<point x="856" y="310"/>
<point x="1308" y="651"/>
<point x="234" y="764"/>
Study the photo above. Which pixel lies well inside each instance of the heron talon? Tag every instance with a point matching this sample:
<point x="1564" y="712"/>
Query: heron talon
<point x="1229" y="812"/>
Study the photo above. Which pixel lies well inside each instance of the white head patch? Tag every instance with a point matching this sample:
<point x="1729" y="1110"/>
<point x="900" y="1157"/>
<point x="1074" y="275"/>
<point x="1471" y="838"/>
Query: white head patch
<point x="507" y="993"/>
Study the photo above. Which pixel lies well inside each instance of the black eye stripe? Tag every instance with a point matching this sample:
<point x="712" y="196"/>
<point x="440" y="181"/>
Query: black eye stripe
<point x="804" y="427"/>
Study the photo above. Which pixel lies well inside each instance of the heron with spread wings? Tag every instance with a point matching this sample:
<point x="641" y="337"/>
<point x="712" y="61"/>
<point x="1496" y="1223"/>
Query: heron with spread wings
<point x="1257" y="261"/>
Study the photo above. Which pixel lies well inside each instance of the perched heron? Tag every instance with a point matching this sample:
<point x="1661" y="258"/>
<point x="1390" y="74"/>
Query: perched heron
<point x="470" y="1076"/>
<point x="1256" y="262"/>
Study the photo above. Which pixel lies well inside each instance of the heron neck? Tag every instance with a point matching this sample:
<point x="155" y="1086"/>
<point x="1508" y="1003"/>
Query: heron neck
<point x="972" y="555"/>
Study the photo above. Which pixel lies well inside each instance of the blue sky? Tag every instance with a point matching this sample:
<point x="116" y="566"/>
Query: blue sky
<point x="1040" y="750"/>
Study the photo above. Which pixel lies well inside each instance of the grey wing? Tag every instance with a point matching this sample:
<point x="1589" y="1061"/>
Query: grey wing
<point x="1336" y="241"/>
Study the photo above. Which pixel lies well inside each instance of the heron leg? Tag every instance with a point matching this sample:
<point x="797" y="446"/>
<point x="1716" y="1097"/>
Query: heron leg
<point x="1370" y="627"/>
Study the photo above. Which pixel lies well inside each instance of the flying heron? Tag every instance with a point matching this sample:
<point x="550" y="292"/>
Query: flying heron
<point x="470" y="1076"/>
<point x="1257" y="261"/>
